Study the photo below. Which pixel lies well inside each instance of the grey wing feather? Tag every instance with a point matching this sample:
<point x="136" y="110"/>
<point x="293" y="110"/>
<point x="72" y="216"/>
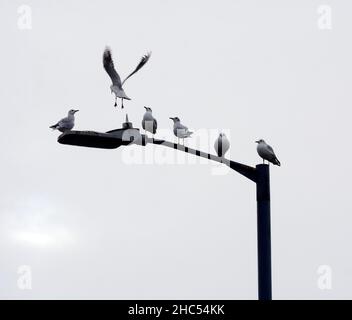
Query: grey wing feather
<point x="143" y="61"/>
<point x="271" y="150"/>
<point x="110" y="68"/>
<point x="155" y="125"/>
<point x="64" y="122"/>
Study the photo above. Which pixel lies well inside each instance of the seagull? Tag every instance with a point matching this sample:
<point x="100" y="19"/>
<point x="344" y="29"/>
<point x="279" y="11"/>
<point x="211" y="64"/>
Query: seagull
<point x="116" y="86"/>
<point x="149" y="123"/>
<point x="180" y="130"/>
<point x="221" y="145"/>
<point x="266" y="152"/>
<point x="67" y="123"/>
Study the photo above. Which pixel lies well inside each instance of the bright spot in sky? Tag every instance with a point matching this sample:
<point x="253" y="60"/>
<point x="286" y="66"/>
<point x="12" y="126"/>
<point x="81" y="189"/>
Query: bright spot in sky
<point x="34" y="238"/>
<point x="43" y="239"/>
<point x="38" y="223"/>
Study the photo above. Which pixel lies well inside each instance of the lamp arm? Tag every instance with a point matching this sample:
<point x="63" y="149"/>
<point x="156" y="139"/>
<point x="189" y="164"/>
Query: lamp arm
<point x="247" y="171"/>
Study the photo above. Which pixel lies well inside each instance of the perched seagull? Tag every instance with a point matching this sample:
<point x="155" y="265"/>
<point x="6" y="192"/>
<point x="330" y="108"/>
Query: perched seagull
<point x="221" y="145"/>
<point x="149" y="123"/>
<point x="180" y="130"/>
<point x="116" y="86"/>
<point x="66" y="123"/>
<point x="266" y="152"/>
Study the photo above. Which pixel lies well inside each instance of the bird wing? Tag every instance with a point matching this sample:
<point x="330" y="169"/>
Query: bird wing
<point x="143" y="61"/>
<point x="270" y="150"/>
<point x="221" y="146"/>
<point x="64" y="122"/>
<point x="182" y="127"/>
<point x="110" y="69"/>
<point x="216" y="146"/>
<point x="273" y="159"/>
<point x="225" y="144"/>
<point x="187" y="133"/>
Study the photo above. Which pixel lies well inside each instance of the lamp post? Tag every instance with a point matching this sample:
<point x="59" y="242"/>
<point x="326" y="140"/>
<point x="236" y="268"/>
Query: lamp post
<point x="260" y="175"/>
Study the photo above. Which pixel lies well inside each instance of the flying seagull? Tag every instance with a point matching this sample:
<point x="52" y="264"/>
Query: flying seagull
<point x="117" y="85"/>
<point x="221" y="145"/>
<point x="266" y="152"/>
<point x="149" y="123"/>
<point x="67" y="123"/>
<point x="180" y="131"/>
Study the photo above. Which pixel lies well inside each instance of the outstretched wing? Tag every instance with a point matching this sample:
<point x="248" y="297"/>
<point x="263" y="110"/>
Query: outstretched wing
<point x="143" y="61"/>
<point x="110" y="69"/>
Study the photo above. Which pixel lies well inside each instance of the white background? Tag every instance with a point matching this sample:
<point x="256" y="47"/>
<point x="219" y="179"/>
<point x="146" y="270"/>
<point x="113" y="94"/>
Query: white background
<point x="92" y="223"/>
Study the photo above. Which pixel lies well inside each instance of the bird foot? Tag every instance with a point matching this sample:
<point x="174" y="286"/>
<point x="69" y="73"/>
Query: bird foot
<point x="115" y="105"/>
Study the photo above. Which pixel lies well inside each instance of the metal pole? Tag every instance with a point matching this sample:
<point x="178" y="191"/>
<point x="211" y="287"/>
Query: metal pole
<point x="263" y="232"/>
<point x="260" y="175"/>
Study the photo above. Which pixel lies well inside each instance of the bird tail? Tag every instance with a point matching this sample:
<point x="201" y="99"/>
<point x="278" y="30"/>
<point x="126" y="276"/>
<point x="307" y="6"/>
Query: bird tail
<point x="54" y="127"/>
<point x="277" y="162"/>
<point x="121" y="93"/>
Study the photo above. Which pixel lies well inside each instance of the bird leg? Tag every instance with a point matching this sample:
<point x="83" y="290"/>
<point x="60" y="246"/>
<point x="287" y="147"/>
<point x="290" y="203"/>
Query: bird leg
<point x="122" y="103"/>
<point x="115" y="105"/>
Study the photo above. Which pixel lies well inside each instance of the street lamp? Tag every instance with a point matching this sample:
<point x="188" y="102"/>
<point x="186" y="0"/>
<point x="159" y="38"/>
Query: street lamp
<point x="260" y="175"/>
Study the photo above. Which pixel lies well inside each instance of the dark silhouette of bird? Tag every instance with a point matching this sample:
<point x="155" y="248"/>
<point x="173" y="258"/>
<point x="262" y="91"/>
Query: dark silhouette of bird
<point x="266" y="152"/>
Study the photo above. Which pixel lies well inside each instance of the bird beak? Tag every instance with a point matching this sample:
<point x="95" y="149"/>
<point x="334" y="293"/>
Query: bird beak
<point x="256" y="141"/>
<point x="145" y="108"/>
<point x="172" y="118"/>
<point x="76" y="111"/>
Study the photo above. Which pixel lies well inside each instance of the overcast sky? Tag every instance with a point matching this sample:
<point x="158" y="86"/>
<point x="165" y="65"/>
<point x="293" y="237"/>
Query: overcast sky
<point x="144" y="223"/>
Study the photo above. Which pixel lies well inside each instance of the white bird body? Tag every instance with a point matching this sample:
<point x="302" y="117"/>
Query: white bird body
<point x="66" y="123"/>
<point x="266" y="152"/>
<point x="117" y="85"/>
<point x="119" y="92"/>
<point x="149" y="123"/>
<point x="180" y="130"/>
<point x="221" y="145"/>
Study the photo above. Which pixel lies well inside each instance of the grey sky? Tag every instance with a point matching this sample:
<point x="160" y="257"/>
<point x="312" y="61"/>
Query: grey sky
<point x="90" y="225"/>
